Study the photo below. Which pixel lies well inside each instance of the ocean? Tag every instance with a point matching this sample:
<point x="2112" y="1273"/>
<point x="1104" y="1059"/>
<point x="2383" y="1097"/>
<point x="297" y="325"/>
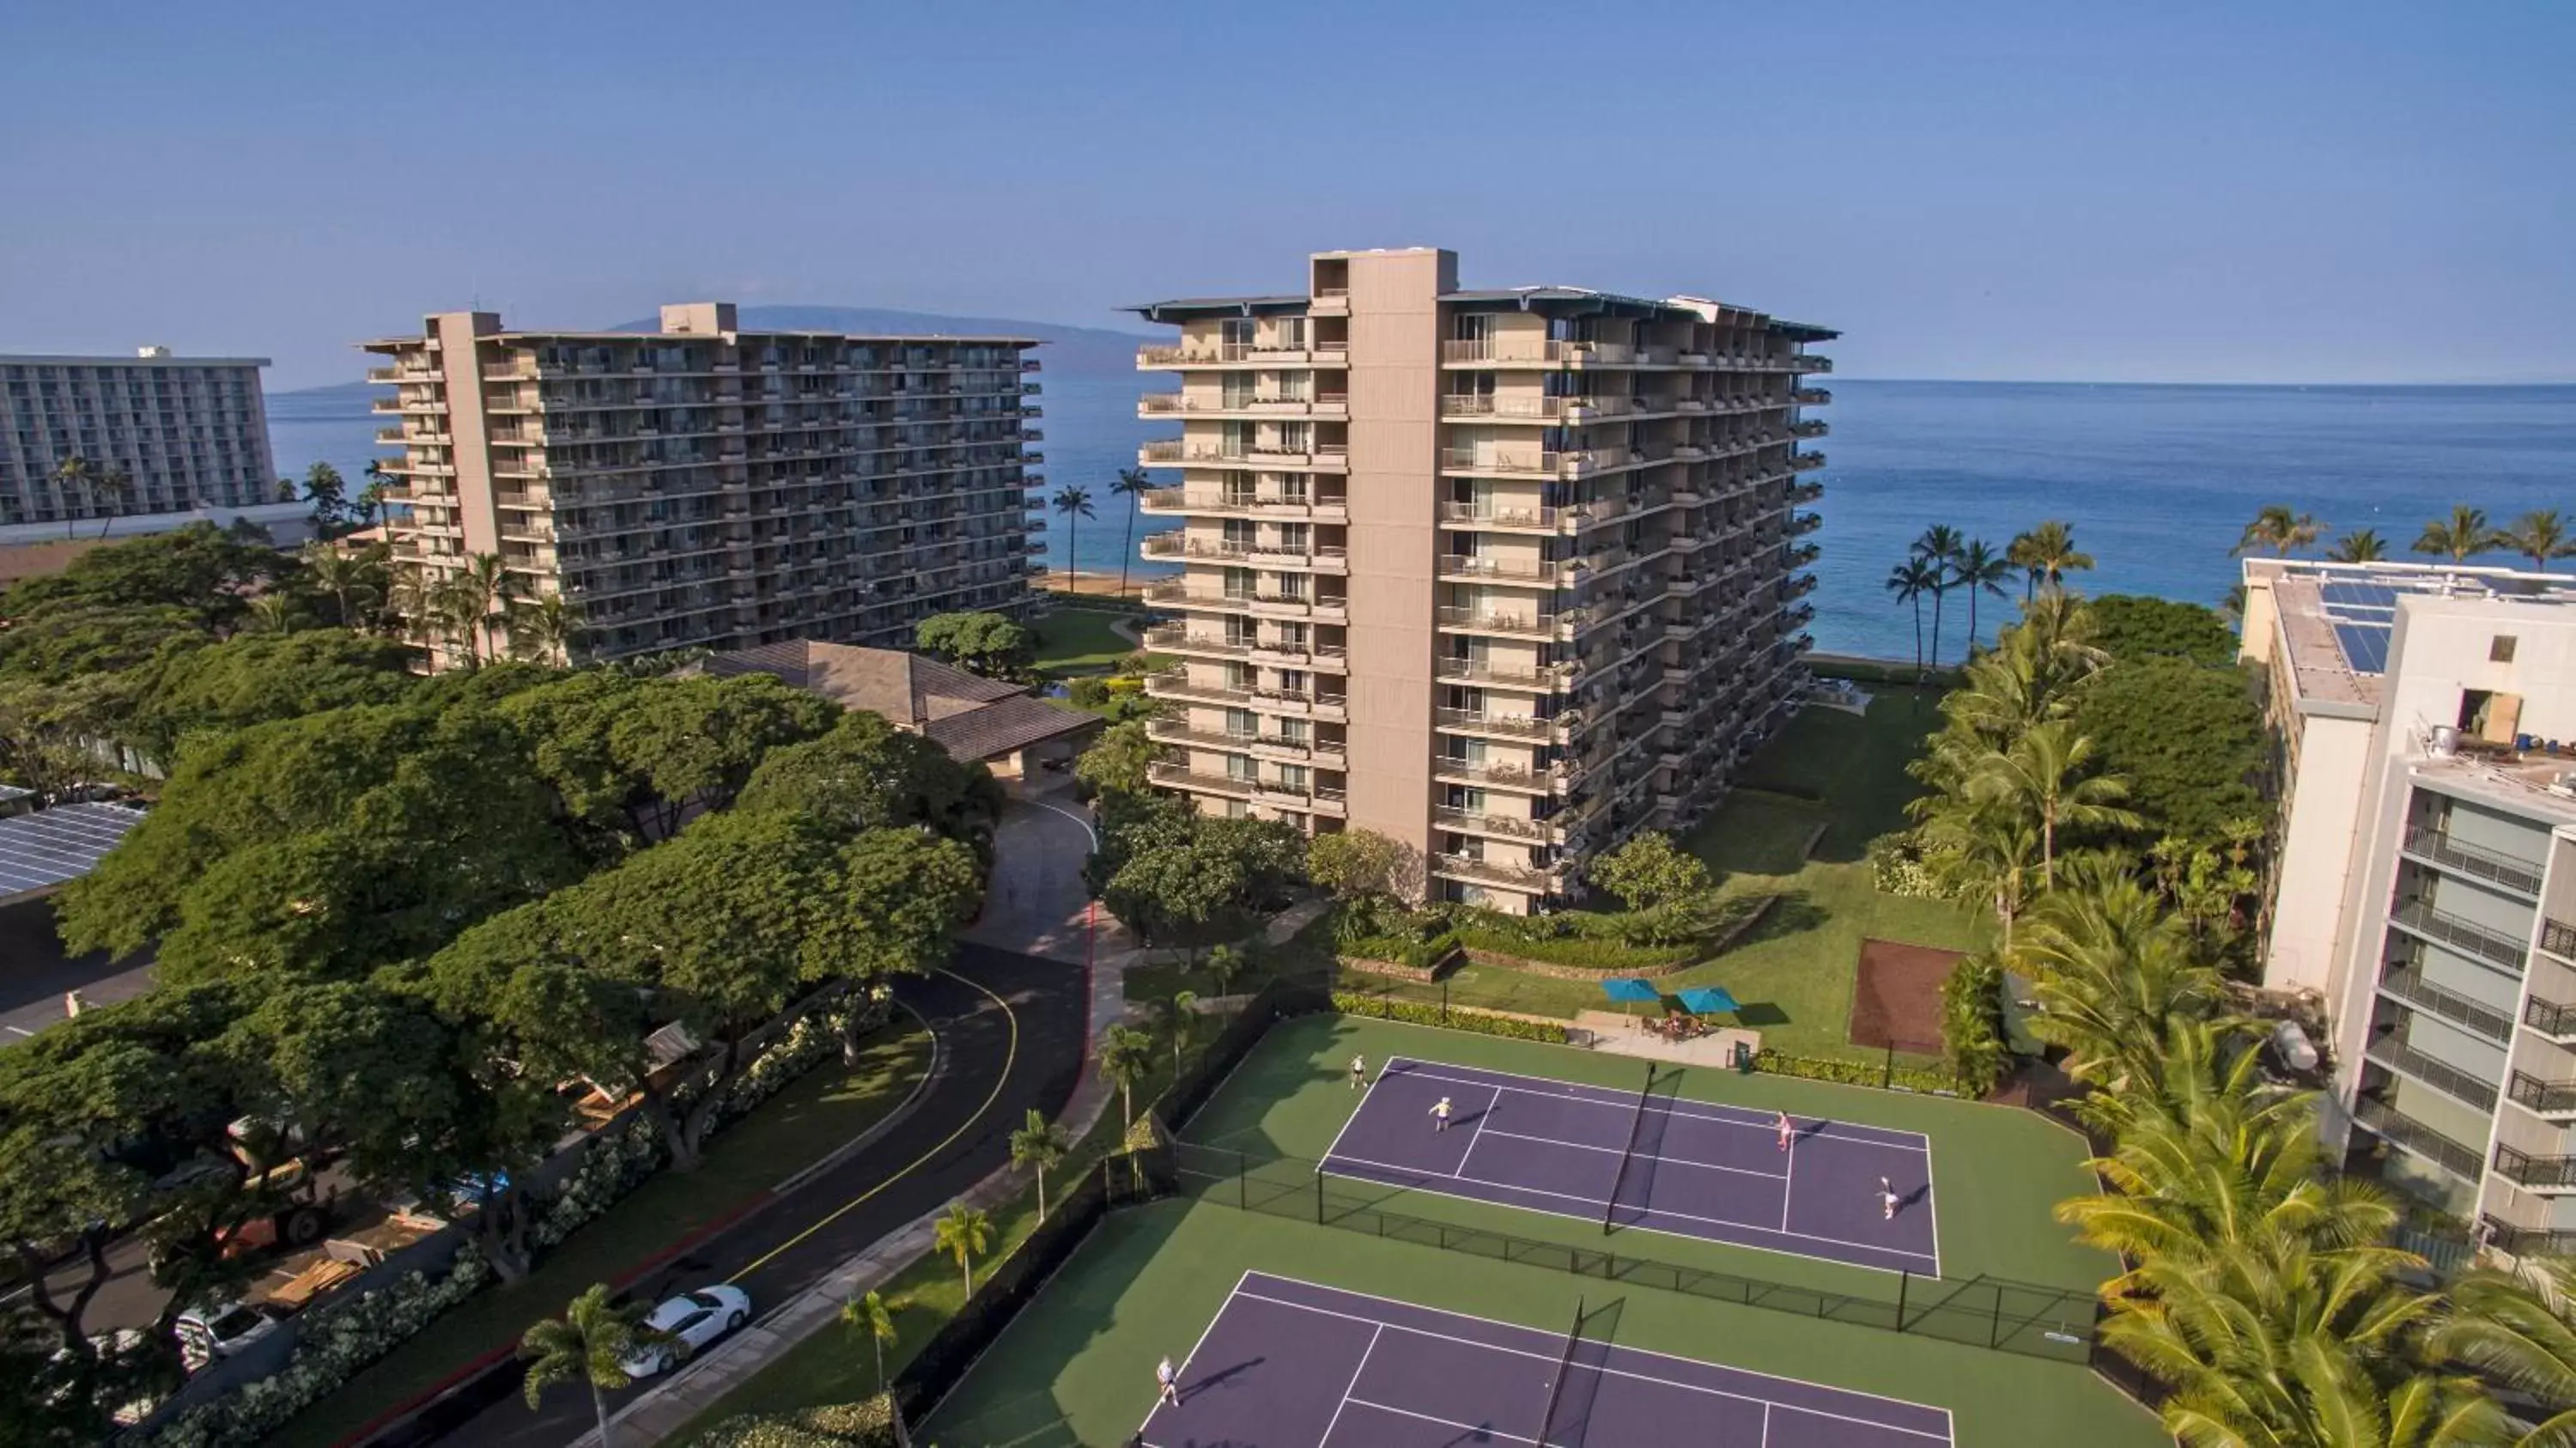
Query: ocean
<point x="2156" y="481"/>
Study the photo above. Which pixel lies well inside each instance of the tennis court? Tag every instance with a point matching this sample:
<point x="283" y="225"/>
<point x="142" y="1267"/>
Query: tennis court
<point x="1633" y="1159"/>
<point x="1297" y="1365"/>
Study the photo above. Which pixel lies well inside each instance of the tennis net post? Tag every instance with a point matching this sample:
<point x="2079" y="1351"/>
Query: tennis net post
<point x="1556" y="1385"/>
<point x="1610" y="1208"/>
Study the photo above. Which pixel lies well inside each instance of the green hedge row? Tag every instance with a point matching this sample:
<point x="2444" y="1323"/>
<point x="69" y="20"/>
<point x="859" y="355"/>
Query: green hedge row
<point x="1420" y="952"/>
<point x="1586" y="952"/>
<point x="1415" y="1013"/>
<point x="1853" y="1073"/>
<point x="841" y="1425"/>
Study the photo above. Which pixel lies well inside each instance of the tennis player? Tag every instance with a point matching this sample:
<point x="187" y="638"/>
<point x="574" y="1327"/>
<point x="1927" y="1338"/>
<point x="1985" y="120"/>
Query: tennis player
<point x="1359" y="1073"/>
<point x="1788" y="1131"/>
<point x="1168" y="1382"/>
<point x="1887" y="1199"/>
<point x="1440" y="1115"/>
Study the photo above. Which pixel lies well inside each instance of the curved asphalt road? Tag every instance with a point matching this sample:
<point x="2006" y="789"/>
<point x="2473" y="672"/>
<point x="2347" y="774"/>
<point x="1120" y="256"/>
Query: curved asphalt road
<point x="1027" y="1034"/>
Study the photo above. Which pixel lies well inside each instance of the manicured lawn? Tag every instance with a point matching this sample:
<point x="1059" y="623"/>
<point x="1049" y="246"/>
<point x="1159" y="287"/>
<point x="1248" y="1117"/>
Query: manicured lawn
<point x="1794" y="970"/>
<point x="1075" y="641"/>
<point x="1076" y="1365"/>
<point x="829" y="1106"/>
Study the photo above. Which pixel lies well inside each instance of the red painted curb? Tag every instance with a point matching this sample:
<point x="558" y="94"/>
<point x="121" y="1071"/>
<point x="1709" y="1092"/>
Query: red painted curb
<point x="496" y="1356"/>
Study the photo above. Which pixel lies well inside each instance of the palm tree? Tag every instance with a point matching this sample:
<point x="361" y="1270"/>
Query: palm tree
<point x="73" y="474"/>
<point x="2046" y="554"/>
<point x="874" y="1316"/>
<point x="547" y="628"/>
<point x="1131" y="483"/>
<point x="479" y="590"/>
<point x="2463" y="533"/>
<point x="1126" y="1055"/>
<point x="344" y="575"/>
<point x="1180" y="1019"/>
<point x="2538" y="536"/>
<point x="455" y="616"/>
<point x="1224" y="963"/>
<point x="117" y="487"/>
<point x="1909" y="581"/>
<point x="273" y="613"/>
<point x="1039" y="1145"/>
<point x="2111" y="966"/>
<point x="1983" y="853"/>
<point x="2362" y="545"/>
<point x="1073" y="500"/>
<point x="1938" y="545"/>
<point x="2277" y="529"/>
<point x="371" y="498"/>
<point x="1978" y="569"/>
<point x="2046" y="775"/>
<point x="590" y="1342"/>
<point x="2520" y="1330"/>
<point x="964" y="1233"/>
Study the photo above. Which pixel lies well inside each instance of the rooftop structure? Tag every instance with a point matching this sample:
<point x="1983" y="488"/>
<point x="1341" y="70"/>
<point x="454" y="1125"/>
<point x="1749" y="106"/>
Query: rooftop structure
<point x="53" y="847"/>
<point x="159" y="434"/>
<point x="1506" y="576"/>
<point x="709" y="486"/>
<point x="972" y="718"/>
<point x="2424" y="885"/>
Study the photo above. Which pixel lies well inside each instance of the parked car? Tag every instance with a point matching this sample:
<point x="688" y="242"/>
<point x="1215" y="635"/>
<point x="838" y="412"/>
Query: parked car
<point x="218" y="1331"/>
<point x="691" y="1321"/>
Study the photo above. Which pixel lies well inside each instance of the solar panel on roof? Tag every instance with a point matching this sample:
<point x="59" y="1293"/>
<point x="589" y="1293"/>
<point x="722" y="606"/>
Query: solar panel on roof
<point x="45" y="849"/>
<point x="2365" y="647"/>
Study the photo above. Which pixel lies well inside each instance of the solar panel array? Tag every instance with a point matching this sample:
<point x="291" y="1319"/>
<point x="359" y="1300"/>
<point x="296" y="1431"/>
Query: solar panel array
<point x="2362" y="615"/>
<point x="45" y="849"/>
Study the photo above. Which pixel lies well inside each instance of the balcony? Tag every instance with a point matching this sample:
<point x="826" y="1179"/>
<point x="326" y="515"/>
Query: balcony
<point x="1244" y="505"/>
<point x="1483" y="463"/>
<point x="1806" y="461"/>
<point x="1478" y="620"/>
<point x="1805" y="523"/>
<point x="1488" y="872"/>
<point x="1458" y="568"/>
<point x="1329" y="405"/>
<point x="1269" y="746"/>
<point x="1501" y="776"/>
<point x="1268" y="605"/>
<point x="1515" y="726"/>
<point x="2549" y="1018"/>
<point x="1485" y="516"/>
<point x="2558" y="938"/>
<point x="2392" y="1052"/>
<point x="1811" y="397"/>
<point x="2555" y="1100"/>
<point x="1516" y="827"/>
<point x="1807" y="362"/>
<point x="2550" y="1176"/>
<point x="1510" y="676"/>
<point x="1176" y="684"/>
<point x="1175" y="776"/>
<point x="2460" y="934"/>
<point x="2494" y="867"/>
<point x="1235" y="354"/>
<point x="2411" y="987"/>
<point x="1177" y="639"/>
<point x="2405" y="1131"/>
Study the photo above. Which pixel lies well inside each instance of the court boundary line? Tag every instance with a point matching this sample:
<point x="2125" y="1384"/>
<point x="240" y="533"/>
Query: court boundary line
<point x="1639" y="1225"/>
<point x="1191" y="1355"/>
<point x="1475" y="1133"/>
<point x="1603" y="1368"/>
<point x="1357" y="1373"/>
<point x="1672" y="1106"/>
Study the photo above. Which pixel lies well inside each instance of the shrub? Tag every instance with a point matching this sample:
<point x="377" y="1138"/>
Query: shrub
<point x="1853" y="1073"/>
<point x="1972" y="1024"/>
<point x="841" y="1425"/>
<point x="1896" y="867"/>
<point x="1590" y="940"/>
<point x="1375" y="928"/>
<point x="1457" y="1018"/>
<point x="1088" y="692"/>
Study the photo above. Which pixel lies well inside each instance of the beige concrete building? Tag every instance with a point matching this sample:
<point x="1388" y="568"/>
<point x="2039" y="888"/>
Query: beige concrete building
<point x="707" y="486"/>
<point x="1504" y="575"/>
<point x="2425" y="888"/>
<point x="163" y="434"/>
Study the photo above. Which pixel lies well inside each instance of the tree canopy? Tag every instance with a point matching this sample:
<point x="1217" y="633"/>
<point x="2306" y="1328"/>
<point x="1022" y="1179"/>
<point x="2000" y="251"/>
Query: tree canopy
<point x="2187" y="738"/>
<point x="983" y="643"/>
<point x="2129" y="626"/>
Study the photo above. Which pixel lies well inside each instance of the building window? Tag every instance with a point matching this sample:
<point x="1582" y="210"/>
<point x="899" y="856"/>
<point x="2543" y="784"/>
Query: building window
<point x="2500" y="649"/>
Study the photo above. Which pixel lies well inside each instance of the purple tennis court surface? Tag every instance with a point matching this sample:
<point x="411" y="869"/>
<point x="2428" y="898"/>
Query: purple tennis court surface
<point x="1699" y="1169"/>
<point x="1289" y="1364"/>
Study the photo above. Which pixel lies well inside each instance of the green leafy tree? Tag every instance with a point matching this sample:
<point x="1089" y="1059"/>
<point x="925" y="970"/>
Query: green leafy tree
<point x="43" y="734"/>
<point x="371" y="497"/>
<point x="2519" y="1329"/>
<point x="693" y="743"/>
<point x="1120" y="760"/>
<point x="989" y="644"/>
<point x="547" y="629"/>
<point x="2131" y="626"/>
<point x="476" y="596"/>
<point x="1935" y="549"/>
<point x="589" y="1344"/>
<point x="964" y="1233"/>
<point x="872" y="1317"/>
<point x="353" y="580"/>
<point x="2111" y="966"/>
<point x="258" y="678"/>
<point x="1972" y="1024"/>
<point x="1073" y="500"/>
<point x="1978" y="852"/>
<point x="74" y="476"/>
<point x="2278" y="529"/>
<point x="1224" y="965"/>
<point x="1039" y="1145"/>
<point x="114" y="488"/>
<point x="1651" y="873"/>
<point x="1180" y="1025"/>
<point x="1363" y="864"/>
<point x="2362" y="545"/>
<point x="1132" y="484"/>
<point x="866" y="774"/>
<point x="2460" y="536"/>
<point x="1978" y="568"/>
<point x="2046" y="554"/>
<point x="1911" y="582"/>
<point x="2047" y="776"/>
<point x="1126" y="1057"/>
<point x="2188" y="740"/>
<point x="328" y="492"/>
<point x="2539" y="536"/>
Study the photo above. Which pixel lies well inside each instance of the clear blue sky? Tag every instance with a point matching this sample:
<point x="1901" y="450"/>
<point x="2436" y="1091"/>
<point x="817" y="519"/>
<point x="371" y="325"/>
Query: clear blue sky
<point x="2270" y="192"/>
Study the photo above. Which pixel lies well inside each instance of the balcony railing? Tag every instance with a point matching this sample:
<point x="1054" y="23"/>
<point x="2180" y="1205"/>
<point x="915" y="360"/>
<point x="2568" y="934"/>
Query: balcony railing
<point x="1489" y="872"/>
<point x="2549" y="1098"/>
<point x="2414" y="1135"/>
<point x="2558" y="938"/>
<point x="2493" y="866"/>
<point x="1485" y="515"/>
<point x="2411" y="987"/>
<point x="2393" y="1053"/>
<point x="1511" y="776"/>
<point x="1511" y="826"/>
<point x="1501" y="464"/>
<point x="1471" y="671"/>
<point x="1507" y="570"/>
<point x="2463" y="934"/>
<point x="1529" y="625"/>
<point x="2541" y="1172"/>
<point x="1519" y="726"/>
<point x="2549" y="1018"/>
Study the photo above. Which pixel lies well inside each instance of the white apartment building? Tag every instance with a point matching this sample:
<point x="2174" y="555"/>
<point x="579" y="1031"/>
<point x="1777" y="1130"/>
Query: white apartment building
<point x="161" y="434"/>
<point x="2425" y="885"/>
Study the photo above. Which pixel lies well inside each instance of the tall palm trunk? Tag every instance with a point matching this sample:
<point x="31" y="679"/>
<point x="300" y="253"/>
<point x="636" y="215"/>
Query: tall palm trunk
<point x="599" y="1405"/>
<point x="1937" y="595"/>
<point x="1918" y="638"/>
<point x="1126" y="552"/>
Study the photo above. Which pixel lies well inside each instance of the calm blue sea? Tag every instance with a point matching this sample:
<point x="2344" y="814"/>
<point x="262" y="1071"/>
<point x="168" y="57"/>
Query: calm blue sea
<point x="2156" y="481"/>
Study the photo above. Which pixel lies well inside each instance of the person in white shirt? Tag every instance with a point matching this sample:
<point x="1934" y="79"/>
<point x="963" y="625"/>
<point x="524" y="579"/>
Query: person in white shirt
<point x="1440" y="1115"/>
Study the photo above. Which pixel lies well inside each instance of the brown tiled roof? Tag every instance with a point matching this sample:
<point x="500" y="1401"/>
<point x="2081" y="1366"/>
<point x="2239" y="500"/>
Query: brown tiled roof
<point x="970" y="717"/>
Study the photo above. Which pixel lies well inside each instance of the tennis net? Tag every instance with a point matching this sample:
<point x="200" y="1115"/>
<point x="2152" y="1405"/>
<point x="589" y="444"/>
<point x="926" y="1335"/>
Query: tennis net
<point x="1556" y="1385"/>
<point x="1635" y="1121"/>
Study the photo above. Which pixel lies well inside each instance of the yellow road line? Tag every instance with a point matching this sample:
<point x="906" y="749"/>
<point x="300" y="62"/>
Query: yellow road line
<point x="1010" y="1054"/>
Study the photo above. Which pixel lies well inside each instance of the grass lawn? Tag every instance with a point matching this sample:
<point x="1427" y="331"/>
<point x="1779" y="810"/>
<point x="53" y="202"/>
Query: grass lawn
<point x="1794" y="970"/>
<point x="1075" y="641"/>
<point x="1075" y="1366"/>
<point x="829" y="1106"/>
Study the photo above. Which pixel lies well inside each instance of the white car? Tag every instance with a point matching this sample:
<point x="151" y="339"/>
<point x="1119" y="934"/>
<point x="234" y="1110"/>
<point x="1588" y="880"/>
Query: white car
<point x="691" y="1320"/>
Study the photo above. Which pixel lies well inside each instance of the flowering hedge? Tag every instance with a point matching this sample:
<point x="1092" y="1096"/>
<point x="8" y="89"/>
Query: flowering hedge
<point x="1854" y="1073"/>
<point x="341" y="1338"/>
<point x="842" y="1425"/>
